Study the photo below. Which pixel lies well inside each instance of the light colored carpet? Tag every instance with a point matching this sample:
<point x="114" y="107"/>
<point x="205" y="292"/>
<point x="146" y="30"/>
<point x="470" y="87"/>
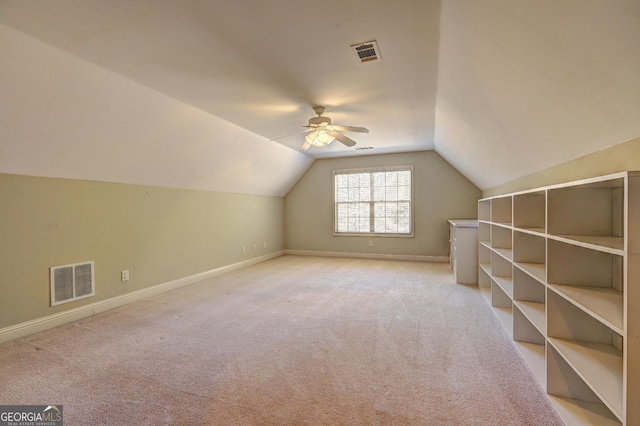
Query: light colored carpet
<point x="292" y="341"/>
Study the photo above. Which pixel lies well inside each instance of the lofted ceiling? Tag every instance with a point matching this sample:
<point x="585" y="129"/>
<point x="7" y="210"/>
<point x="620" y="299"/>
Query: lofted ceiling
<point x="263" y="65"/>
<point x="499" y="88"/>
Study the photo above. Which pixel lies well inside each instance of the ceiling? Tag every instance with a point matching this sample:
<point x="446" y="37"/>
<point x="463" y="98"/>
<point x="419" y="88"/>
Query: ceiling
<point x="263" y="65"/>
<point x="499" y="88"/>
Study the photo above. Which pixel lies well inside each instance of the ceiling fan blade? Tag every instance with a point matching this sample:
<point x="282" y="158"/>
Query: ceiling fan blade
<point x="351" y="129"/>
<point x="343" y="139"/>
<point x="305" y="146"/>
<point x="290" y="134"/>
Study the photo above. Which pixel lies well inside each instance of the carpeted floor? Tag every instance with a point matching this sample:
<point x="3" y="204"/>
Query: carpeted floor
<point x="291" y="341"/>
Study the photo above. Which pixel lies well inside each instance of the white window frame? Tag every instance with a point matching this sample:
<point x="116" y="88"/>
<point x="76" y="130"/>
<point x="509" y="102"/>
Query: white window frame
<point x="372" y="170"/>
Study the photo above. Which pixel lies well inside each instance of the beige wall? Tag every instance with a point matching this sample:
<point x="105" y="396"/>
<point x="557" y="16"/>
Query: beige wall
<point x="158" y="234"/>
<point x="619" y="158"/>
<point x="441" y="193"/>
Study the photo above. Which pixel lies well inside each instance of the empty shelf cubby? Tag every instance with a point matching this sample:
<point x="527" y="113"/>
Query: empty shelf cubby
<point x="501" y="241"/>
<point x="501" y="210"/>
<point x="484" y="210"/>
<point x="529" y="211"/>
<point x="589" y="214"/>
<point x="529" y="254"/>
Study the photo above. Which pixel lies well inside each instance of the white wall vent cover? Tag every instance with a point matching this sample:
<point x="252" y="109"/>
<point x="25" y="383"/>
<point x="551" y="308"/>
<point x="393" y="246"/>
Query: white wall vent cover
<point x="72" y="282"/>
<point x="367" y="52"/>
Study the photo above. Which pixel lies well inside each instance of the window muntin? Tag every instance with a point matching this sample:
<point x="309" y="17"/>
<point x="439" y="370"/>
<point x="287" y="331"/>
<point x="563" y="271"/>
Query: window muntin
<point x="373" y="201"/>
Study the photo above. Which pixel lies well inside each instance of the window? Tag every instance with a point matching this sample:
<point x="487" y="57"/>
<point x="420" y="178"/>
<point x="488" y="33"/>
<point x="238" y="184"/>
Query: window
<point x="373" y="201"/>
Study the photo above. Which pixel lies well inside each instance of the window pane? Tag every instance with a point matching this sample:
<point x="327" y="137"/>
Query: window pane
<point x="404" y="225"/>
<point x="404" y="178"/>
<point x="392" y="209"/>
<point x="341" y="218"/>
<point x="384" y="194"/>
<point x="363" y="217"/>
<point x="378" y="179"/>
<point x="392" y="193"/>
<point x="404" y="193"/>
<point x="354" y="193"/>
<point x="391" y="226"/>
<point x="353" y="217"/>
<point x="391" y="178"/>
<point x="365" y="194"/>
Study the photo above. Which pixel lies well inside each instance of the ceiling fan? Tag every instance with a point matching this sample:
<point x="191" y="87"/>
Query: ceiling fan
<point x="321" y="132"/>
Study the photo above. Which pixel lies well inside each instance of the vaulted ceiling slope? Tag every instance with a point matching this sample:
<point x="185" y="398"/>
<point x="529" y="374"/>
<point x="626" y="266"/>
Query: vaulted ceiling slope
<point x="64" y="117"/>
<point x="189" y="94"/>
<point x="528" y="84"/>
<point x="259" y="65"/>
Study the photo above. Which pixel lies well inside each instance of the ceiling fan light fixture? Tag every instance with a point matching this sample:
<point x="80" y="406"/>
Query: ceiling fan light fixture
<point x="320" y="132"/>
<point x="325" y="137"/>
<point x="319" y="137"/>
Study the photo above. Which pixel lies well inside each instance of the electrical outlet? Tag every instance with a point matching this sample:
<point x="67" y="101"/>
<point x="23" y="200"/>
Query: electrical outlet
<point x="124" y="275"/>
<point x="244" y="249"/>
<point x="265" y="245"/>
<point x="370" y="243"/>
<point x="255" y="246"/>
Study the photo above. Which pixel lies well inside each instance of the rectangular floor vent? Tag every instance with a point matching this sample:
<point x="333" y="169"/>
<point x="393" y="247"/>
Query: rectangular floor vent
<point x="72" y="282"/>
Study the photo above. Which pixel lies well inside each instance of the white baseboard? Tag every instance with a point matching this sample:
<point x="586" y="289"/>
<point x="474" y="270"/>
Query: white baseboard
<point x="411" y="257"/>
<point x="60" y="318"/>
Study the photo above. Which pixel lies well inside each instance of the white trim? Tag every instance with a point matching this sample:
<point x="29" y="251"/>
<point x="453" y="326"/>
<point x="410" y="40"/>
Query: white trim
<point x="50" y="321"/>
<point x="410" y="257"/>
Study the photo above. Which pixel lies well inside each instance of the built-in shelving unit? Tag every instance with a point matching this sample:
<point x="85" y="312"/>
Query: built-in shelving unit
<point x="560" y="265"/>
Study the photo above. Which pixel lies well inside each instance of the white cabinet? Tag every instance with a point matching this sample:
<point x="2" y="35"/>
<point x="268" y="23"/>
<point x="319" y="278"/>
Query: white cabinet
<point x="463" y="252"/>
<point x="561" y="267"/>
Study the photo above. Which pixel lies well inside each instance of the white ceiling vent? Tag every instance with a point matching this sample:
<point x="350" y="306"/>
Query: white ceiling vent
<point x="360" y="148"/>
<point x="367" y="51"/>
<point x="72" y="282"/>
